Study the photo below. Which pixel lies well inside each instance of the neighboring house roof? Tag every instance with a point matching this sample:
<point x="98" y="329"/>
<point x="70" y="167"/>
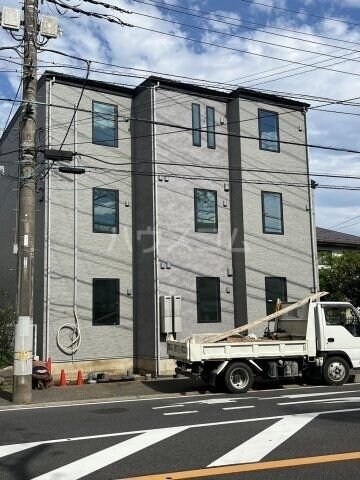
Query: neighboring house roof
<point x="333" y="238"/>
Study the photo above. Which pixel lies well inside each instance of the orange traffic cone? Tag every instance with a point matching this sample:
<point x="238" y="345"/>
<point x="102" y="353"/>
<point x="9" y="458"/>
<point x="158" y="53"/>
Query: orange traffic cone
<point x="79" y="380"/>
<point x="49" y="364"/>
<point x="62" y="382"/>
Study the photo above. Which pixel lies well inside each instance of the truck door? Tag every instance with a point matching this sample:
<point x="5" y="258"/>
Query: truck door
<point x="341" y="331"/>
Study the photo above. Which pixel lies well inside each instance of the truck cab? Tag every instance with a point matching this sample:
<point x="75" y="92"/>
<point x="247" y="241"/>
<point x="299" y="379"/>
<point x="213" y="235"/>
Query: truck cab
<point x="338" y="331"/>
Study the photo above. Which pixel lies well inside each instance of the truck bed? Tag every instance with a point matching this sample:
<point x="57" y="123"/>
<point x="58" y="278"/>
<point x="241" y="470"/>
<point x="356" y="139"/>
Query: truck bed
<point x="189" y="352"/>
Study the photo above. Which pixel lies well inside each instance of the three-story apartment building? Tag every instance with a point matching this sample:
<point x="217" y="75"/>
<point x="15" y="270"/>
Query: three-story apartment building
<point x="190" y="195"/>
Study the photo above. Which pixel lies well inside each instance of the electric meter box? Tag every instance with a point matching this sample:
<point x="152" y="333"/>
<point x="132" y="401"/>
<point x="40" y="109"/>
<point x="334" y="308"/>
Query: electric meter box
<point x="177" y="321"/>
<point x="166" y="314"/>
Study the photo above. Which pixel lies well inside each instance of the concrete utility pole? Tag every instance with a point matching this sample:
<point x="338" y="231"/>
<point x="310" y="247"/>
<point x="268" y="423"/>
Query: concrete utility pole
<point x="22" y="387"/>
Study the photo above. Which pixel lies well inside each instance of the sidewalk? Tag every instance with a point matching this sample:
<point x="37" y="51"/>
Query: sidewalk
<point x="128" y="389"/>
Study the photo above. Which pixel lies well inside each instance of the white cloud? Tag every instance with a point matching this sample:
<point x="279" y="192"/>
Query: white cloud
<point x="137" y="48"/>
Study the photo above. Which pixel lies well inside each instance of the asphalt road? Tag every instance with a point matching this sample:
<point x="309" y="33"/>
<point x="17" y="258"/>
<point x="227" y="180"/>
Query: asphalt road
<point x="294" y="433"/>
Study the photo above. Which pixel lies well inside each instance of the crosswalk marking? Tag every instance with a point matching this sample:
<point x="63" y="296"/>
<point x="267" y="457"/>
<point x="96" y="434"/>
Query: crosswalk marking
<point x="84" y="466"/>
<point x="264" y="442"/>
<point x="258" y="446"/>
<point x="6" y="450"/>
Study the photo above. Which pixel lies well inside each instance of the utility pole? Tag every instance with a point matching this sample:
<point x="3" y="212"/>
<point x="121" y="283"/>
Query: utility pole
<point x="22" y="385"/>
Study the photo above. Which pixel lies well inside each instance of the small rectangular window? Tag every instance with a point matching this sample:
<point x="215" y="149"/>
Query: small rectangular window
<point x="210" y="125"/>
<point x="269" y="130"/>
<point x="105" y="128"/>
<point x="105" y="210"/>
<point x="106" y="297"/>
<point x="206" y="216"/>
<point x="275" y="289"/>
<point x="272" y="213"/>
<point x="196" y="125"/>
<point x="208" y="299"/>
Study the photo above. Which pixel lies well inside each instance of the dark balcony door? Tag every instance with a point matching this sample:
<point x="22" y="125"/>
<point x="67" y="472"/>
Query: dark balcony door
<point x="275" y="288"/>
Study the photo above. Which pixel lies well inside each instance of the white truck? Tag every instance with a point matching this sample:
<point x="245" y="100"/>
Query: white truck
<point x="315" y="338"/>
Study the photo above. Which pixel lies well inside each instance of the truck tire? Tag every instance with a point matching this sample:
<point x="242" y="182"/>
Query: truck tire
<point x="336" y="371"/>
<point x="238" y="377"/>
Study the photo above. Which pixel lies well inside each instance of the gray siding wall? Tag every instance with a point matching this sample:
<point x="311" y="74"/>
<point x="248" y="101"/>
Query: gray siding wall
<point x="8" y="205"/>
<point x="39" y="256"/>
<point x="192" y="254"/>
<point x="98" y="255"/>
<point x="144" y="277"/>
<point x="287" y="255"/>
<point x="237" y="216"/>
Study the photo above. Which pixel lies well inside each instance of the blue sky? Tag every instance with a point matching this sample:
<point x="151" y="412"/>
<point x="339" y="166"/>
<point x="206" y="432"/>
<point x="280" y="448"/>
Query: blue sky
<point x="258" y="44"/>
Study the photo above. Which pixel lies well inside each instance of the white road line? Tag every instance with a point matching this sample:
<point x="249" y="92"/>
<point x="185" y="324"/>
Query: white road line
<point x="181" y="413"/>
<point x="15" y="447"/>
<point x="101" y="402"/>
<point x="264" y="442"/>
<point x="304" y="395"/>
<point x="210" y="401"/>
<point x="18" y="447"/>
<point x="238" y="408"/>
<point x="87" y="465"/>
<point x="324" y="400"/>
<point x="168" y="406"/>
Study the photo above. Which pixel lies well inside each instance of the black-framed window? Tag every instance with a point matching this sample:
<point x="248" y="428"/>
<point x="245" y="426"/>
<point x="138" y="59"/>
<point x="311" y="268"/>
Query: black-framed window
<point x="206" y="215"/>
<point x="343" y="316"/>
<point x="210" y="126"/>
<point x="275" y="289"/>
<point x="104" y="124"/>
<point x="105" y="210"/>
<point x="106" y="295"/>
<point x="269" y="130"/>
<point x="196" y="125"/>
<point x="208" y="299"/>
<point x="272" y="213"/>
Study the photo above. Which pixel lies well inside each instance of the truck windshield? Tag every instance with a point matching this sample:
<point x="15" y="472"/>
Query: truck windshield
<point x="343" y="315"/>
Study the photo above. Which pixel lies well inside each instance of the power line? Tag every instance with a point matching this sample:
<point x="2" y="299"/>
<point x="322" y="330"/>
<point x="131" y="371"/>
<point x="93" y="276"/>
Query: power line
<point x="345" y="221"/>
<point x="173" y="35"/>
<point x="236" y="181"/>
<point x="301" y="12"/>
<point x="244" y="23"/>
<point x="176" y="22"/>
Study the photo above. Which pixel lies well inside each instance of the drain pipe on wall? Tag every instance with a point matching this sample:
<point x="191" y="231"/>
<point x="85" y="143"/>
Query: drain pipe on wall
<point x="156" y="232"/>
<point x="74" y="328"/>
<point x="75" y="286"/>
<point x="314" y="259"/>
<point x="48" y="220"/>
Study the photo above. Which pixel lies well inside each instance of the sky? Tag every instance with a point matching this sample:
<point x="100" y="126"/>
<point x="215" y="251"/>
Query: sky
<point x="307" y="48"/>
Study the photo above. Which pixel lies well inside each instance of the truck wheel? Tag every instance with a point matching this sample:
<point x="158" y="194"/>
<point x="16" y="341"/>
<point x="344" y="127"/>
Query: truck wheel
<point x="238" y="377"/>
<point x="335" y="371"/>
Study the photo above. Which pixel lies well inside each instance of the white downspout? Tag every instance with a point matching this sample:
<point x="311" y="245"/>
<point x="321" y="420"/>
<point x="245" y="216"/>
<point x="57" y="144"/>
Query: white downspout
<point x="75" y="292"/>
<point x="314" y="258"/>
<point x="48" y="220"/>
<point x="156" y="232"/>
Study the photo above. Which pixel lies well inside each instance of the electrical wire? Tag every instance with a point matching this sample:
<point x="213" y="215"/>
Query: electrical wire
<point x="202" y="42"/>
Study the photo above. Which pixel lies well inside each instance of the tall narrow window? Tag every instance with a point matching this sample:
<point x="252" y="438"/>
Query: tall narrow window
<point x="272" y="213"/>
<point x="196" y="125"/>
<point x="105" y="131"/>
<point x="105" y="210"/>
<point x="269" y="130"/>
<point x="106" y="296"/>
<point x="208" y="299"/>
<point x="206" y="217"/>
<point x="275" y="289"/>
<point x="210" y="126"/>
